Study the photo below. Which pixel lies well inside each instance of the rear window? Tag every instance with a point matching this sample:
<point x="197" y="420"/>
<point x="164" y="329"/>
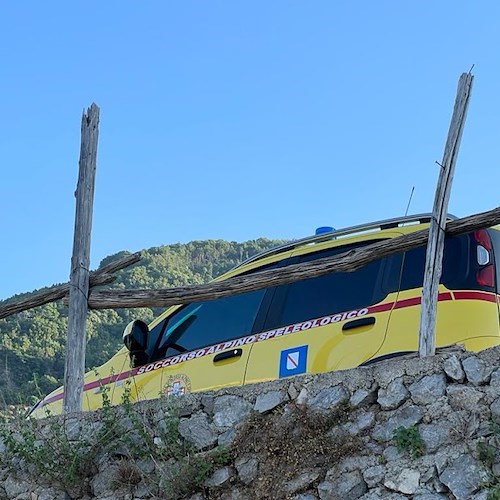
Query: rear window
<point x="459" y="267"/>
<point x="495" y="238"/>
<point x="456" y="265"/>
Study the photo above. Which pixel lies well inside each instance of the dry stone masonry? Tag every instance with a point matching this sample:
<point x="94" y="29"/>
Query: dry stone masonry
<point x="424" y="429"/>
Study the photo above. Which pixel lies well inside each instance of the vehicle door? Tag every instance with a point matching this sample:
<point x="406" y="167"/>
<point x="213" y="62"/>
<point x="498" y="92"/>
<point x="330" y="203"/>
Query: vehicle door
<point x="202" y="345"/>
<point x="330" y="322"/>
<point x="199" y="347"/>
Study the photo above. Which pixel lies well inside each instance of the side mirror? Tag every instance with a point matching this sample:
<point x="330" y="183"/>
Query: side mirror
<point x="135" y="338"/>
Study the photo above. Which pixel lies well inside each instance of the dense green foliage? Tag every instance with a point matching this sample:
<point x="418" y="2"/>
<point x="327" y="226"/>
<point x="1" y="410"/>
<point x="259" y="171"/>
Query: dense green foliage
<point x="32" y="343"/>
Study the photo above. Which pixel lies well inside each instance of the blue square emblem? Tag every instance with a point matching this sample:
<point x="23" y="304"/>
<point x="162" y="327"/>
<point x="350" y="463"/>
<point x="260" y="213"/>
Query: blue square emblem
<point x="293" y="361"/>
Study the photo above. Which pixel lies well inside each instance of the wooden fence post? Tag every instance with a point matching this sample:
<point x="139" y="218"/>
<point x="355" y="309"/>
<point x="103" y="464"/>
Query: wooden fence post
<point x="435" y="245"/>
<point x="80" y="262"/>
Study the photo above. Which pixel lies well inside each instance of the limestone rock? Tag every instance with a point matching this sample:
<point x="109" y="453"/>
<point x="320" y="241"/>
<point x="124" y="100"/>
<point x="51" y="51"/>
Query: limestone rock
<point x="303" y="396"/>
<point x="103" y="483"/>
<point x="230" y="410"/>
<point x="383" y="494"/>
<point x="462" y="477"/>
<point x="49" y="493"/>
<point x="362" y="421"/>
<point x="363" y="397"/>
<point x="227" y="437"/>
<point x="72" y="427"/>
<point x="247" y="469"/>
<point x="428" y="389"/>
<point x="429" y="496"/>
<point x="482" y="495"/>
<point x="394" y="395"/>
<point x="142" y="490"/>
<point x="391" y="453"/>
<point x="198" y="431"/>
<point x="453" y="368"/>
<point x="292" y="392"/>
<point x="219" y="477"/>
<point x="374" y="475"/>
<point x="407" y="482"/>
<point x="269" y="400"/>
<point x="495" y="410"/>
<point x="463" y="397"/>
<point x="197" y="496"/>
<point x="409" y="415"/>
<point x="349" y="485"/>
<point x="435" y="435"/>
<point x="207" y="401"/>
<point x="145" y="465"/>
<point x="302" y="481"/>
<point x="386" y="372"/>
<point x="495" y="378"/>
<point x="308" y="495"/>
<point x="326" y="399"/>
<point x="14" y="487"/>
<point x="476" y="370"/>
<point x="235" y="494"/>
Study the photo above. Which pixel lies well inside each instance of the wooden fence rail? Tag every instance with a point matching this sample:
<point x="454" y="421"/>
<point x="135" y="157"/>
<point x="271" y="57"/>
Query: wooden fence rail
<point x="349" y="261"/>
<point x="102" y="276"/>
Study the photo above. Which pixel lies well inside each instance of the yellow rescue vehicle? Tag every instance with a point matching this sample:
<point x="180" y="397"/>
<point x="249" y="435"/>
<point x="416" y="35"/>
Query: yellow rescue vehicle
<point x="332" y="322"/>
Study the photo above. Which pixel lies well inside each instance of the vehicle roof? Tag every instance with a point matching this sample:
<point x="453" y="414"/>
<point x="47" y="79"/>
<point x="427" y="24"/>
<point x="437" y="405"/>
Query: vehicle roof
<point x="368" y="228"/>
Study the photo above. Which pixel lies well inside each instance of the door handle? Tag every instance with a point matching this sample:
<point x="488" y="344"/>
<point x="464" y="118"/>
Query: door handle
<point x="233" y="353"/>
<point x="356" y="323"/>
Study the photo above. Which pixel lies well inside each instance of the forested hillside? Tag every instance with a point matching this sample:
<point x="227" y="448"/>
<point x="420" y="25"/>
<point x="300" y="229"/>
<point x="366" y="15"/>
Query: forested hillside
<point x="32" y="343"/>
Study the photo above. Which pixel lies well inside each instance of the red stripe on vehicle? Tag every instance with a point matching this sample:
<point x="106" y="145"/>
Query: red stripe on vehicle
<point x="57" y="397"/>
<point x="96" y="383"/>
<point x="415" y="301"/>
<point x="412" y="301"/>
<point x="475" y="295"/>
<point x="387" y="306"/>
<point x="409" y="302"/>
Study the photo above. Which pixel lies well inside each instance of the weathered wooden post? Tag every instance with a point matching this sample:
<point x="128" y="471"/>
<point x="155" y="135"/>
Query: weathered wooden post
<point x="435" y="245"/>
<point x="80" y="262"/>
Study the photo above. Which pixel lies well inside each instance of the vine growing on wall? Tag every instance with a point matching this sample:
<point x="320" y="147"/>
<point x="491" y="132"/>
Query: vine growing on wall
<point x="65" y="451"/>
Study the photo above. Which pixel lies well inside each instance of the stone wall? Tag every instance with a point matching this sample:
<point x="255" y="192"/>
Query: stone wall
<point x="408" y="428"/>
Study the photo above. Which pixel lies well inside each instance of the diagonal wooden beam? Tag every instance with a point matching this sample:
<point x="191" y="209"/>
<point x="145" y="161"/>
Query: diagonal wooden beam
<point x="102" y="276"/>
<point x="349" y="261"/>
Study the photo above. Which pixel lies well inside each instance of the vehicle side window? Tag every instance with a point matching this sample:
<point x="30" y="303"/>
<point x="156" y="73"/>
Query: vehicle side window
<point x="204" y="323"/>
<point x="209" y="322"/>
<point x="331" y="293"/>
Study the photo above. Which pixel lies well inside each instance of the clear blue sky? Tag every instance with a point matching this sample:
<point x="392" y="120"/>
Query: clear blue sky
<point x="235" y="120"/>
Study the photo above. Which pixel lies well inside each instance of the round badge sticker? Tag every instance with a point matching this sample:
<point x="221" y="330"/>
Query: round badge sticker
<point x="177" y="385"/>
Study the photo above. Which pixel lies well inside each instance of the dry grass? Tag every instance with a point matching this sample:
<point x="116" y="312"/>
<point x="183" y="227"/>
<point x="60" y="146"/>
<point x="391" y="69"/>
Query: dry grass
<point x="291" y="440"/>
